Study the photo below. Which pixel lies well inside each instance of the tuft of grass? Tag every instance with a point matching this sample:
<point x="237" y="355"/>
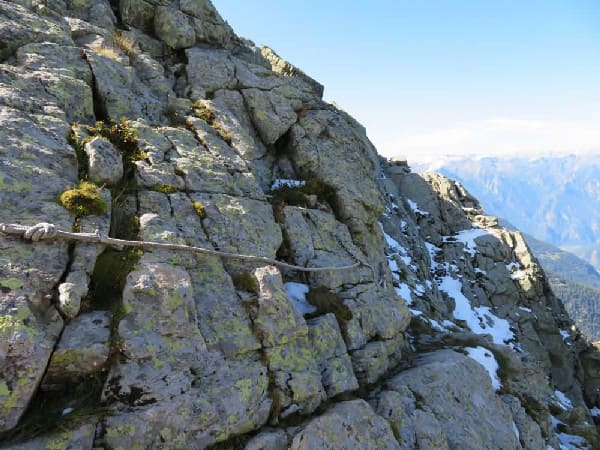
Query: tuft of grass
<point x="200" y="209"/>
<point x="299" y="196"/>
<point x="127" y="43"/>
<point x="77" y="143"/>
<point x="122" y="135"/>
<point x="108" y="52"/>
<point x="205" y="113"/>
<point x="328" y="302"/>
<point x="84" y="200"/>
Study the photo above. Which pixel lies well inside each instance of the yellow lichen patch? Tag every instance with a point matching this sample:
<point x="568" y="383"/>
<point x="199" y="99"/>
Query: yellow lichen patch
<point x="84" y="200"/>
<point x="164" y="188"/>
<point x="200" y="209"/>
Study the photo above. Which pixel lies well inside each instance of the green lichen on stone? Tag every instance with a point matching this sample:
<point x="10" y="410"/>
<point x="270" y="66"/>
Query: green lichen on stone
<point x="59" y="443"/>
<point x="84" y="200"/>
<point x="11" y="283"/>
<point x="260" y="115"/>
<point x="244" y="388"/>
<point x="4" y="391"/>
<point x="115" y="432"/>
<point x="173" y="302"/>
<point x="16" y="323"/>
<point x="166" y="434"/>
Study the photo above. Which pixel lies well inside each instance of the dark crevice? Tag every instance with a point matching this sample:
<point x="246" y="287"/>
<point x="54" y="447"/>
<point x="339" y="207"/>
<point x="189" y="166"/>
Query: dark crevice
<point x="100" y="111"/>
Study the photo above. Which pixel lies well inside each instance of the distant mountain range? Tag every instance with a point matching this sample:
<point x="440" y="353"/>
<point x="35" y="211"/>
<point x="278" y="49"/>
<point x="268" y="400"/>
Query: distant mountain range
<point x="555" y="199"/>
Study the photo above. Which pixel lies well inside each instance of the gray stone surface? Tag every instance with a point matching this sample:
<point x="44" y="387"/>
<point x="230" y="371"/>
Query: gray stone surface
<point x="458" y="392"/>
<point x="209" y="70"/>
<point x="207" y="349"/>
<point x="347" y="425"/>
<point x="334" y="362"/>
<point x="80" y="438"/>
<point x="173" y="27"/>
<point x="104" y="162"/>
<point x="82" y="350"/>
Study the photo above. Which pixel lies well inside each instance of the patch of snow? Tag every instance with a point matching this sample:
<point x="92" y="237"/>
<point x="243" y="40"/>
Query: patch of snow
<point x="516" y="430"/>
<point x="513" y="265"/>
<point x="480" y="319"/>
<point x="281" y="182"/>
<point x="403" y="291"/>
<point x="67" y="411"/>
<point x="518" y="275"/>
<point x="522" y="308"/>
<point x="392" y="243"/>
<point x="408" y="261"/>
<point x="571" y="442"/>
<point x="595" y="412"/>
<point x="433" y="251"/>
<point x="440" y="326"/>
<point x="563" y="400"/>
<point x="565" y="334"/>
<point x="478" y="270"/>
<point x="415" y="312"/>
<point x="419" y="289"/>
<point x="403" y="225"/>
<point x="393" y="265"/>
<point x="448" y="324"/>
<point x="555" y="422"/>
<point x="413" y="205"/>
<point x="486" y="358"/>
<point x="296" y="293"/>
<point x="516" y="270"/>
<point x="467" y="238"/>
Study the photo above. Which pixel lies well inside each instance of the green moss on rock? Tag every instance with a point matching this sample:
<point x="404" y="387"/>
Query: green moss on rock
<point x="84" y="200"/>
<point x="328" y="302"/>
<point x="245" y="282"/>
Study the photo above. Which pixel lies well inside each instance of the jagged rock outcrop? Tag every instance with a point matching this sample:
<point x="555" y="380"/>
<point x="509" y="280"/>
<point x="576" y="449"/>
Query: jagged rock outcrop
<point x="445" y="335"/>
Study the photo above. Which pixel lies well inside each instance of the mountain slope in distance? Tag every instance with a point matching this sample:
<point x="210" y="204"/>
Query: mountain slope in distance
<point x="553" y="198"/>
<point x="573" y="280"/>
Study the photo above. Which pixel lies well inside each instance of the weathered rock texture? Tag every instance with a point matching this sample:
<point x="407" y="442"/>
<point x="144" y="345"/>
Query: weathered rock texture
<point x="117" y="348"/>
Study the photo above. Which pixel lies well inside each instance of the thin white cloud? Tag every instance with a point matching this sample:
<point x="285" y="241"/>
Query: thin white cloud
<point x="496" y="136"/>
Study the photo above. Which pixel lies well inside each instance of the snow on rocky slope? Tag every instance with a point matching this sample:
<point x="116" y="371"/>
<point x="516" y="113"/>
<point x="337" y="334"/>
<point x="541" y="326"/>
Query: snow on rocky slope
<point x="445" y="335"/>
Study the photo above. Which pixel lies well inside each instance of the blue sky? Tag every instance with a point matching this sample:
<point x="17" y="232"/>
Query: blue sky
<point x="432" y="77"/>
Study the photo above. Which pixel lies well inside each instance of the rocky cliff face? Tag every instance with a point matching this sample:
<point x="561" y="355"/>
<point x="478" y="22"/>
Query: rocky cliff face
<point x="446" y="334"/>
